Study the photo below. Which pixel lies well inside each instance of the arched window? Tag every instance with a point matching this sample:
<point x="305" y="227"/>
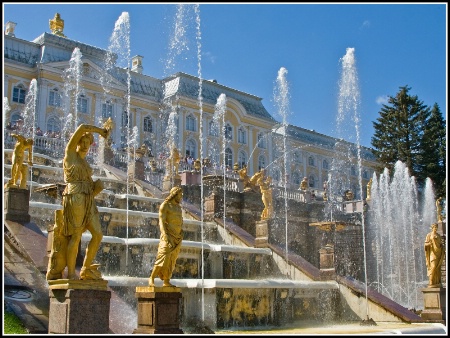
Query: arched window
<point x="19" y="93"/>
<point x="296" y="178"/>
<point x="312" y="181"/>
<point x="311" y="161"/>
<point x="261" y="162"/>
<point x="242" y="159"/>
<point x="242" y="135"/>
<point x="324" y="164"/>
<point x="191" y="149"/>
<point x="54" y="98"/>
<point x="213" y="128"/>
<point x="107" y="109"/>
<point x="190" y="122"/>
<point x="365" y="174"/>
<point x="228" y="132"/>
<point x="261" y="141"/>
<point x="296" y="157"/>
<point x="229" y="158"/>
<point x="148" y="124"/>
<point x="53" y="125"/>
<point x="82" y="104"/>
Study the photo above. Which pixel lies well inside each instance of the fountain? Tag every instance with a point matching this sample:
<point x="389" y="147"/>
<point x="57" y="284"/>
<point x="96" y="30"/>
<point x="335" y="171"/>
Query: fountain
<point x="227" y="281"/>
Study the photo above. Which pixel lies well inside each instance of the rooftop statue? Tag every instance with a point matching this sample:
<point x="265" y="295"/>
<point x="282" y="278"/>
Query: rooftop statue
<point x="57" y="25"/>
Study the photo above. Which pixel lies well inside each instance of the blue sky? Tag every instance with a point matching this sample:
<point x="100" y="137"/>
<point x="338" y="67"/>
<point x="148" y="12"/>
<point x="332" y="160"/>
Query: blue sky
<point x="243" y="46"/>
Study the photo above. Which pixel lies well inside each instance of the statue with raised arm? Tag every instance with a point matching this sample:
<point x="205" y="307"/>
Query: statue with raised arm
<point x="170" y="225"/>
<point x="80" y="212"/>
<point x="19" y="169"/>
<point x="266" y="195"/>
<point x="434" y="255"/>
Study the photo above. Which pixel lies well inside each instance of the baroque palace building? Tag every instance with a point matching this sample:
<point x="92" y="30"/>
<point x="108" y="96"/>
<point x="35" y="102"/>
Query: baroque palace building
<point x="253" y="137"/>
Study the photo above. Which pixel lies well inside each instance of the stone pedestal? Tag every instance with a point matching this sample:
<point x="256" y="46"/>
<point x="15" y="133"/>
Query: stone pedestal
<point x="434" y="304"/>
<point x="262" y="234"/>
<point x="170" y="182"/>
<point x="327" y="270"/>
<point x="158" y="310"/>
<point x="139" y="170"/>
<point x="190" y="178"/>
<point x="79" y="307"/>
<point x="17" y="205"/>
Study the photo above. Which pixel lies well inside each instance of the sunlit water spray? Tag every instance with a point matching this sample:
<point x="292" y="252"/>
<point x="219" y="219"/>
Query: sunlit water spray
<point x="398" y="230"/>
<point x="281" y="98"/>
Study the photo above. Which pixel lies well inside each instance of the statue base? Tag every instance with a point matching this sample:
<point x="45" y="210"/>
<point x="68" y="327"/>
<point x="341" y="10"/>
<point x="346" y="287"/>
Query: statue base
<point x="434" y="304"/>
<point x="79" y="307"/>
<point x="17" y="205"/>
<point x="262" y="234"/>
<point x="170" y="182"/>
<point x="158" y="310"/>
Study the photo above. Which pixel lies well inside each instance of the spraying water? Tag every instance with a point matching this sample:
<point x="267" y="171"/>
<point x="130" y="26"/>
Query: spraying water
<point x="219" y="119"/>
<point x="281" y="97"/>
<point x="398" y="230"/>
<point x="72" y="79"/>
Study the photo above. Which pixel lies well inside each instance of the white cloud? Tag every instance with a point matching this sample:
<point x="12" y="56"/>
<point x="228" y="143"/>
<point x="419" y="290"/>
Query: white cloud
<point x="382" y="100"/>
<point x="210" y="57"/>
<point x="365" y="24"/>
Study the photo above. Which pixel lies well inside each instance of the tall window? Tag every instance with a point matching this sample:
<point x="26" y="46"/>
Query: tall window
<point x="107" y="109"/>
<point x="325" y="164"/>
<point x="353" y="171"/>
<point x="297" y="158"/>
<point x="242" y="159"/>
<point x="261" y="141"/>
<point x="311" y="161"/>
<point x="190" y="123"/>
<point x="213" y="129"/>
<point x="261" y="162"/>
<point x="148" y="125"/>
<point x="228" y="132"/>
<point x="54" y="98"/>
<point x="312" y="181"/>
<point x="242" y="135"/>
<point x="19" y="94"/>
<point x="296" y="178"/>
<point x="82" y="104"/>
<point x="191" y="148"/>
<point x="365" y="174"/>
<point x="53" y="125"/>
<point x="229" y="158"/>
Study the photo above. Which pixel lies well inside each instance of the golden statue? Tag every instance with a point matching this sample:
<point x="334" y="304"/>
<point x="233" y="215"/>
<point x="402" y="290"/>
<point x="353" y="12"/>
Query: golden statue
<point x="439" y="209"/>
<point x="80" y="212"/>
<point x="434" y="255"/>
<point x="304" y="184"/>
<point x="369" y="189"/>
<point x="244" y="177"/>
<point x="170" y="225"/>
<point x="172" y="163"/>
<point x="57" y="25"/>
<point x="19" y="169"/>
<point x="266" y="194"/>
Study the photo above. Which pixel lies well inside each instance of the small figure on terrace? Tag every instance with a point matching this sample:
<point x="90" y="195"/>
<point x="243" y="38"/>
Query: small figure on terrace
<point x="434" y="255"/>
<point x="439" y="209"/>
<point x="243" y="176"/>
<point x="304" y="184"/>
<point x="170" y="225"/>
<point x="19" y="169"/>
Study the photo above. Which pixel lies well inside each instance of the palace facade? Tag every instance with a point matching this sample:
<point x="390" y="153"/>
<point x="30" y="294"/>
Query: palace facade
<point x="136" y="101"/>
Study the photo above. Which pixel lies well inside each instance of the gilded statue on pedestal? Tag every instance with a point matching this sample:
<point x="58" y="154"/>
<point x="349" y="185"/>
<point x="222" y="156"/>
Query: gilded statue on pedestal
<point x="266" y="195"/>
<point x="79" y="212"/>
<point x="19" y="169"/>
<point x="434" y="255"/>
<point x="170" y="225"/>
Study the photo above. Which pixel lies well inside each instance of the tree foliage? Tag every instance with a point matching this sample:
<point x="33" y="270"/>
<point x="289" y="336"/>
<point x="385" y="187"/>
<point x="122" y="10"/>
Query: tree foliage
<point x="409" y="131"/>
